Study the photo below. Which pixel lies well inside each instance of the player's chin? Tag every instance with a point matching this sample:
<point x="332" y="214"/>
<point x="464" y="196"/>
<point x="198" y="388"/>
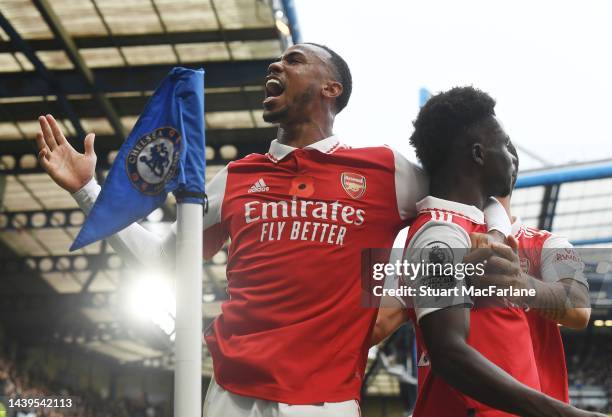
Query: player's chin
<point x="275" y="116"/>
<point x="504" y="190"/>
<point x="499" y="188"/>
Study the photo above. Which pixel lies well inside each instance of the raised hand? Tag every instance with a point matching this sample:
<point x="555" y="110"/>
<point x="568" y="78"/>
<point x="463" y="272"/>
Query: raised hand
<point x="69" y="169"/>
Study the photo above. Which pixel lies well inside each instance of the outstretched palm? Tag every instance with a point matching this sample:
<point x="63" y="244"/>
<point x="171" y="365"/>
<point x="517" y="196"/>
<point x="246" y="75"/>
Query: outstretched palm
<point x="70" y="169"/>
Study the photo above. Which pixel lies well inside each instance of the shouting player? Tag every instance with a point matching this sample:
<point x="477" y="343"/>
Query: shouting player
<point x="465" y="151"/>
<point x="293" y="337"/>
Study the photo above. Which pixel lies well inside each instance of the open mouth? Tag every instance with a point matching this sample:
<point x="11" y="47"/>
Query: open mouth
<point x="274" y="88"/>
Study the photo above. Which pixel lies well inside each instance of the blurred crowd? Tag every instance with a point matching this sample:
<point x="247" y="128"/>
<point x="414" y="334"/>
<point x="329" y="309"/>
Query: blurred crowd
<point x="15" y="384"/>
<point x="589" y="364"/>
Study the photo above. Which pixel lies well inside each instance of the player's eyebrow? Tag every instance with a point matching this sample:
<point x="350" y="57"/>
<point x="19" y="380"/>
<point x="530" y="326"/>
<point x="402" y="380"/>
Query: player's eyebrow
<point x="288" y="55"/>
<point x="294" y="53"/>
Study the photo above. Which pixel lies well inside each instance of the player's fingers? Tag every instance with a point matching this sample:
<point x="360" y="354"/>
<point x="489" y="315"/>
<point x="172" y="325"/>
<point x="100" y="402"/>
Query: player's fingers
<point x="57" y="131"/>
<point x="479" y="240"/>
<point x="500" y="280"/>
<point x="504" y="251"/>
<point x="478" y="255"/>
<point x="40" y="142"/>
<point x="499" y="265"/>
<point x="47" y="133"/>
<point x="89" y="144"/>
<point x="491" y="278"/>
<point x="43" y="160"/>
<point x="513" y="243"/>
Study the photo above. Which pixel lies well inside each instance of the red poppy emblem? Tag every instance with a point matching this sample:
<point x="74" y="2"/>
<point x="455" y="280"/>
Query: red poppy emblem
<point x="353" y="184"/>
<point x="302" y="187"/>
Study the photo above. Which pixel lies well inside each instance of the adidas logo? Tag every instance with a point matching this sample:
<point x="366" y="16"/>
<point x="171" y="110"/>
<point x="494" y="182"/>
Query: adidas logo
<point x="259" y="187"/>
<point x="424" y="360"/>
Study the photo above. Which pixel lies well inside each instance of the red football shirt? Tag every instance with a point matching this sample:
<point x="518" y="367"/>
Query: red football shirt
<point x="500" y="334"/>
<point x="293" y="329"/>
<point x="548" y="257"/>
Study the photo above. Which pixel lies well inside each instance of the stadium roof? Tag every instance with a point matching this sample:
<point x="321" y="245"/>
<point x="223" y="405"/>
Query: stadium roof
<point x="93" y="64"/>
<point x="573" y="200"/>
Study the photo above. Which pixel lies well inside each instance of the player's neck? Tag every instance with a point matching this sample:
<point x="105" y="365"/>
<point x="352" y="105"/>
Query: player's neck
<point x="458" y="189"/>
<point x="300" y="135"/>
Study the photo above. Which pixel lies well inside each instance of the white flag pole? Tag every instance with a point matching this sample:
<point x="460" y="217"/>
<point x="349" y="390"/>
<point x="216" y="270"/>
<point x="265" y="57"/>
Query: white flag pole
<point x="188" y="326"/>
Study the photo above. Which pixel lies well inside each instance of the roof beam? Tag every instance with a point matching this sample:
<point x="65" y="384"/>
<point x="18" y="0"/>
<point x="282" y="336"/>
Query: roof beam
<point x="125" y="106"/>
<point x="133" y="78"/>
<point x="255" y="138"/>
<point x="18" y="220"/>
<point x="86" y="42"/>
<point x="57" y="263"/>
<point x="52" y="302"/>
<point x="69" y="264"/>
<point x="247" y="141"/>
<point x="65" y="40"/>
<point x="50" y="219"/>
<point x="43" y="76"/>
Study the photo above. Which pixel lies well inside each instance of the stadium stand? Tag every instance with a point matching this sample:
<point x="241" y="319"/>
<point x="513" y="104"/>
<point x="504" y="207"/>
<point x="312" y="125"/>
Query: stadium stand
<point x="589" y="362"/>
<point x="17" y="384"/>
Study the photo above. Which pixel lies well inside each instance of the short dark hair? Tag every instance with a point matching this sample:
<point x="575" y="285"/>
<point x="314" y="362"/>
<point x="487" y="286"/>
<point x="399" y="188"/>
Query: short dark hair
<point x="343" y="73"/>
<point x="446" y="118"/>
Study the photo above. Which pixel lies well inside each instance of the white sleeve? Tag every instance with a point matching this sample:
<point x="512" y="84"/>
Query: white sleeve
<point x="215" y="234"/>
<point x="438" y="242"/>
<point x="411" y="185"/>
<point x="147" y="247"/>
<point x="497" y="218"/>
<point x="560" y="260"/>
<point x="215" y="190"/>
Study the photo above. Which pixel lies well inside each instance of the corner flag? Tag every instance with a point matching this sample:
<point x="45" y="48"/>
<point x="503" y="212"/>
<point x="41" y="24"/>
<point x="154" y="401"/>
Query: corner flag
<point x="165" y="152"/>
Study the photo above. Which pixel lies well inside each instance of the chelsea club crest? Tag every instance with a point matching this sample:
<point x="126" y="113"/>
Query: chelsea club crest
<point x="153" y="159"/>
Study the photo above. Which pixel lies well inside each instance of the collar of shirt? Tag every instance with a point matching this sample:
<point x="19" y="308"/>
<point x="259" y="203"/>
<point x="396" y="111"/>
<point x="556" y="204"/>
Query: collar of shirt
<point x="278" y="150"/>
<point x="472" y="213"/>
<point x="516" y="225"/>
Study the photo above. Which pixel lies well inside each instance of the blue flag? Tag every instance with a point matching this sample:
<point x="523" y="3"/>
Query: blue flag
<point x="165" y="152"/>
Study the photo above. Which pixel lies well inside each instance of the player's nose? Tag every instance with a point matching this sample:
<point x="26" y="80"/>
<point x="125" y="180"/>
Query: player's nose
<point x="275" y="68"/>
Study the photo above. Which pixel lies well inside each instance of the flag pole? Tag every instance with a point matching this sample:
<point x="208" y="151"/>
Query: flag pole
<point x="188" y="327"/>
<point x="165" y="152"/>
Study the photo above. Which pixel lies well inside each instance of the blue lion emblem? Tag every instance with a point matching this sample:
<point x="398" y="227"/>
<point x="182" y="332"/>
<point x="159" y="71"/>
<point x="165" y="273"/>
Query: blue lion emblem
<point x="153" y="160"/>
<point x="158" y="160"/>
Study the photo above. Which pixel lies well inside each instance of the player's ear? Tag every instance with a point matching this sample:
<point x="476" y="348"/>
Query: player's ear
<point x="332" y="89"/>
<point x="478" y="153"/>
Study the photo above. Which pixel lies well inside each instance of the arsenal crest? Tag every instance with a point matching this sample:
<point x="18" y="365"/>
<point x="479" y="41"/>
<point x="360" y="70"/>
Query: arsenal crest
<point x="353" y="184"/>
<point x="153" y="159"/>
